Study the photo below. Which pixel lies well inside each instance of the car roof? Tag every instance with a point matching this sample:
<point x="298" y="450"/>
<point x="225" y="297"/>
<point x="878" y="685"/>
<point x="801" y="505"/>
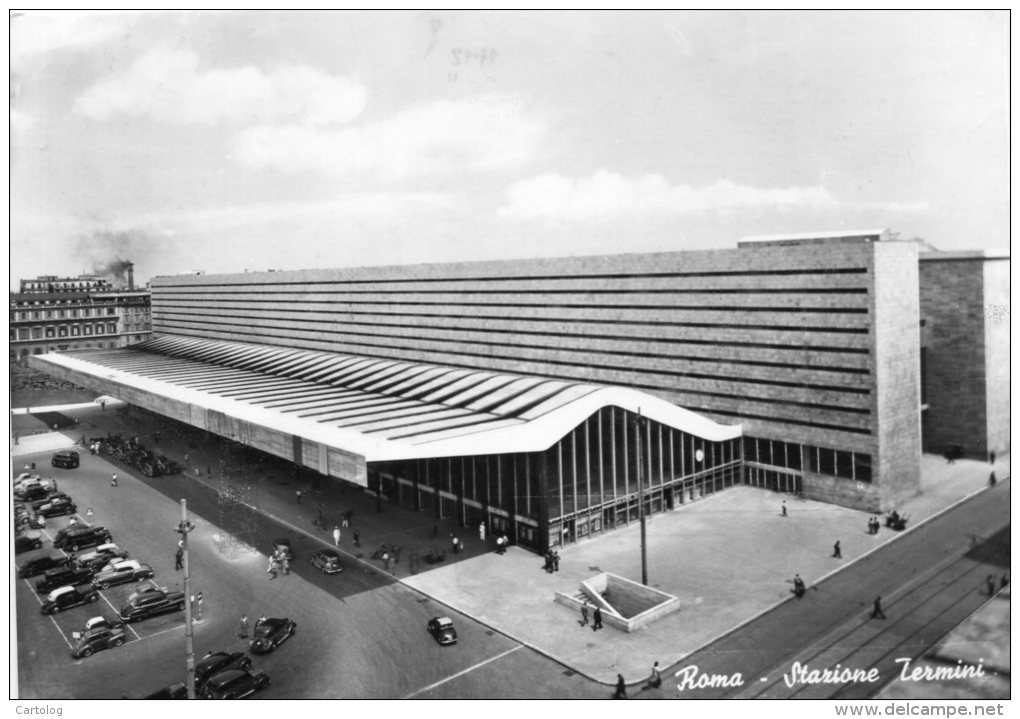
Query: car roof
<point x="442" y="620"/>
<point x="226" y="677"/>
<point x="58" y="591"/>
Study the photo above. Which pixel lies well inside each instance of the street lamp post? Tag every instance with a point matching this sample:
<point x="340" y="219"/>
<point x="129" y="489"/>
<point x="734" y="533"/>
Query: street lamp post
<point x="184" y="528"/>
<point x="641" y="500"/>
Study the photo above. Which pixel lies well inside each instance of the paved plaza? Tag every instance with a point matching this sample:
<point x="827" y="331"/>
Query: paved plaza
<point x="728" y="557"/>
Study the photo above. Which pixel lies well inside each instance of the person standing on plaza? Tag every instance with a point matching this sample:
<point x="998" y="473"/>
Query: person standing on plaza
<point x="876" y="612"/>
<point x="556" y="561"/>
<point x="584" y="614"/>
<point x="336" y="535"/>
<point x="836" y="551"/>
<point x="113" y="480"/>
<point x="481" y="531"/>
<point x="655" y="680"/>
<point x="357" y="538"/>
<point x="621" y="688"/>
<point x="597" y="616"/>
<point x="784" y="509"/>
<point x="197" y="602"/>
<point x="243" y="629"/>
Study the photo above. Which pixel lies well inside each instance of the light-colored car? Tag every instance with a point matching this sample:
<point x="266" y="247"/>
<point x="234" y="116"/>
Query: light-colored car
<point x="121" y="571"/>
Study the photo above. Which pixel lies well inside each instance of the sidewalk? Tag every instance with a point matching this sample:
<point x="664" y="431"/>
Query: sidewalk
<point x="728" y="557"/>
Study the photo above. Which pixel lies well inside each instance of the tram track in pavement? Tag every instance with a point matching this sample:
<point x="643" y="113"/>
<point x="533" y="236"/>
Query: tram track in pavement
<point x="946" y="595"/>
<point x="930" y="577"/>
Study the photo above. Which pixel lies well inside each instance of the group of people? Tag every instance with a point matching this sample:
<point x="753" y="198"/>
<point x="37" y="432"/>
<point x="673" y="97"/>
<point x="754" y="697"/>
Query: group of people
<point x="502" y="542"/>
<point x="552" y="561"/>
<point x="278" y="563"/>
<point x="873" y="525"/>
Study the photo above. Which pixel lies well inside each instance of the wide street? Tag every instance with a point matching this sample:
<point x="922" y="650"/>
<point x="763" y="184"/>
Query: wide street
<point x="360" y="634"/>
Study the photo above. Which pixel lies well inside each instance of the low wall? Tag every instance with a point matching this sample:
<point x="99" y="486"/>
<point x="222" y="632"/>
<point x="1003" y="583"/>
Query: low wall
<point x="626" y="605"/>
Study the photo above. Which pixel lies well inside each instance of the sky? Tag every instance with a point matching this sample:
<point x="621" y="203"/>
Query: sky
<point x="219" y="142"/>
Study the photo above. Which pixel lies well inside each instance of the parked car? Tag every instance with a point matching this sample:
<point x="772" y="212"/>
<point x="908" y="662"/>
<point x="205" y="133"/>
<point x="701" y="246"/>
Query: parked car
<point x="68" y="459"/>
<point x="20" y="485"/>
<point x="38" y="566"/>
<point x="75" y="538"/>
<point x="100" y="622"/>
<point x="217" y="663"/>
<point x="150" y="603"/>
<point x="66" y="597"/>
<point x="174" y="691"/>
<point x="271" y="633"/>
<point x="55" y="497"/>
<point x="62" y="577"/>
<point x="101" y="556"/>
<point x="441" y="628"/>
<point x="27" y="542"/>
<point x="56" y="506"/>
<point x="327" y="561"/>
<point x="121" y="571"/>
<point x="32" y="492"/>
<point x="96" y="639"/>
<point x="236" y="684"/>
<point x="23" y="476"/>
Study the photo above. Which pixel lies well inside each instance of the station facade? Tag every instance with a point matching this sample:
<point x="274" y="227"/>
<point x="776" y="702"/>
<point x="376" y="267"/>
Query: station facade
<point x="553" y="399"/>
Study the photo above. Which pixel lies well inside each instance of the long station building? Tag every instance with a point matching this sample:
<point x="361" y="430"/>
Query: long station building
<point x="554" y="399"/>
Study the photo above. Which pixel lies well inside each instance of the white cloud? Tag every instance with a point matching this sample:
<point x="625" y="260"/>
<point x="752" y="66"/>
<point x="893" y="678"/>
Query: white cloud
<point x="35" y="33"/>
<point x="168" y="86"/>
<point x="607" y="195"/>
<point x="489" y="132"/>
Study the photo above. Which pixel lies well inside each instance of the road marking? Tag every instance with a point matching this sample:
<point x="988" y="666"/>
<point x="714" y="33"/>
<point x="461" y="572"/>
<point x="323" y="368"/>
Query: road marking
<point x="463" y="672"/>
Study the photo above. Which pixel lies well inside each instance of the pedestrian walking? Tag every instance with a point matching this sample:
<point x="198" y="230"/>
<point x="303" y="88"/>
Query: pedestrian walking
<point x="499" y="545"/>
<point x="783" y="510"/>
<point x="556" y="561"/>
<point x="990" y="583"/>
<point x="836" y="551"/>
<point x="113" y="480"/>
<point x="179" y="559"/>
<point x="798" y="586"/>
<point x="456" y="545"/>
<point x="876" y="612"/>
<point x="243" y="629"/>
<point x="320" y="521"/>
<point x="991" y="479"/>
<point x="621" y="688"/>
<point x="198" y="472"/>
<point x="102" y="405"/>
<point x="347" y="519"/>
<point x="991" y="458"/>
<point x="548" y="562"/>
<point x="655" y="680"/>
<point x="506" y="543"/>
<point x="197" y="602"/>
<point x="357" y="538"/>
<point x="584" y="614"/>
<point x="481" y="531"/>
<point x="597" y="616"/>
<point x="336" y="535"/>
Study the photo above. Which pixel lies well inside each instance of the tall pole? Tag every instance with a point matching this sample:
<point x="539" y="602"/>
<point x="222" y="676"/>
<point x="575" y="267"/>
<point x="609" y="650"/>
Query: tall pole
<point x="189" y="630"/>
<point x="641" y="501"/>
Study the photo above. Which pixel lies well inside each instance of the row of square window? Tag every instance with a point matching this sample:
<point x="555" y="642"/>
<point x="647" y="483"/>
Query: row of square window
<point x="37" y="332"/>
<point x="37" y="314"/>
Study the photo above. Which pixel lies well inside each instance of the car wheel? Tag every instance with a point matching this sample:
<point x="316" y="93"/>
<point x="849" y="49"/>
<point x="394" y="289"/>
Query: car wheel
<point x="74" y="547"/>
<point x="37" y="544"/>
<point x="104" y="585"/>
<point x="118" y="641"/>
<point x="86" y="652"/>
<point x="93" y="597"/>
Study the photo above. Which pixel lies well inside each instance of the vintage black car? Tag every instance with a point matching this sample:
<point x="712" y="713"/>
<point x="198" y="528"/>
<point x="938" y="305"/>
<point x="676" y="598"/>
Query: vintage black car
<point x="56" y="506"/>
<point x="217" y="663"/>
<point x="68" y="459"/>
<point x="96" y="639"/>
<point x="75" y="538"/>
<point x="236" y="684"/>
<point x="36" y="567"/>
<point x="101" y="556"/>
<point x="150" y="603"/>
<point x="27" y="542"/>
<point x="174" y="691"/>
<point x="271" y="633"/>
<point x="67" y="597"/>
<point x="441" y="628"/>
<point x="121" y="571"/>
<point x="327" y="561"/>
<point x="55" y="497"/>
<point x="31" y="493"/>
<point x="62" y="577"/>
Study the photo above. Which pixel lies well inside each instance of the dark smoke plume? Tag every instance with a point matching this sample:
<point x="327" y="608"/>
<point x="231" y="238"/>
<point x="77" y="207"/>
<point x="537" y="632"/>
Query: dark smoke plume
<point x="108" y="254"/>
